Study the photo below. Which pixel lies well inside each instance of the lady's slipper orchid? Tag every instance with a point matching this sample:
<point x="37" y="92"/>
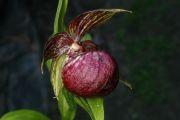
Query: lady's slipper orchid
<point x="87" y="71"/>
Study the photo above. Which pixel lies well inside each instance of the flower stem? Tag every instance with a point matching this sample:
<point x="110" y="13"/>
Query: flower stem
<point x="66" y="104"/>
<point x="59" y="18"/>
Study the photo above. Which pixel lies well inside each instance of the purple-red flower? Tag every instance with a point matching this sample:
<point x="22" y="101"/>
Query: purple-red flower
<point x="87" y="71"/>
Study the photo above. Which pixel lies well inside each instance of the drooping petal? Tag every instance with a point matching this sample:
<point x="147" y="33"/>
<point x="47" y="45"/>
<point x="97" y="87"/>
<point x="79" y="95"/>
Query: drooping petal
<point x="88" y="20"/>
<point x="57" y="45"/>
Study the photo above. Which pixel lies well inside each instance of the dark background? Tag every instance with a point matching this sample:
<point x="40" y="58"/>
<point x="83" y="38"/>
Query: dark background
<point x="145" y="44"/>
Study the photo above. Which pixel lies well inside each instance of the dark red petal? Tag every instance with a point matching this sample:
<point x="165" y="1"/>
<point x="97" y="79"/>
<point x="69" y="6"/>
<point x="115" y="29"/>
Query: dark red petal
<point x="57" y="45"/>
<point x="88" y="46"/>
<point x="88" y="20"/>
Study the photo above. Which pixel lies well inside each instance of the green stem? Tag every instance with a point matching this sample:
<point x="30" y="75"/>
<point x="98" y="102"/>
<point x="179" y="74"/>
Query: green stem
<point x="59" y="18"/>
<point x="66" y="104"/>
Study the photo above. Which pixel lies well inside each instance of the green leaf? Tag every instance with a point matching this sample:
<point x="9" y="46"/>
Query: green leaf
<point x="87" y="36"/>
<point x="56" y="68"/>
<point x="97" y="107"/>
<point x="24" y="115"/>
<point x="48" y="63"/>
<point x="67" y="105"/>
<point x="66" y="102"/>
<point x="59" y="18"/>
<point x="94" y="106"/>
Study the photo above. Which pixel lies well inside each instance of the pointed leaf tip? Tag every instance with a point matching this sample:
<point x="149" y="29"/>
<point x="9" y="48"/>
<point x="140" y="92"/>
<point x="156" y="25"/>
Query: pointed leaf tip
<point x="115" y="10"/>
<point x="127" y="84"/>
<point x="42" y="66"/>
<point x="121" y="10"/>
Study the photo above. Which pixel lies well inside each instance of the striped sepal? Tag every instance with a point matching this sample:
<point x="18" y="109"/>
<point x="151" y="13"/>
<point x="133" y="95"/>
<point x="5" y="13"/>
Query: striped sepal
<point x="57" y="45"/>
<point x="88" y="20"/>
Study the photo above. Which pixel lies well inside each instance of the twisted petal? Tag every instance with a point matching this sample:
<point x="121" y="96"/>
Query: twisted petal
<point x="56" y="46"/>
<point x="88" y="20"/>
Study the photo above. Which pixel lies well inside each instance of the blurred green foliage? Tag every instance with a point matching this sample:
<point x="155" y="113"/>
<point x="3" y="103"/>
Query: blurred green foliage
<point x="147" y="47"/>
